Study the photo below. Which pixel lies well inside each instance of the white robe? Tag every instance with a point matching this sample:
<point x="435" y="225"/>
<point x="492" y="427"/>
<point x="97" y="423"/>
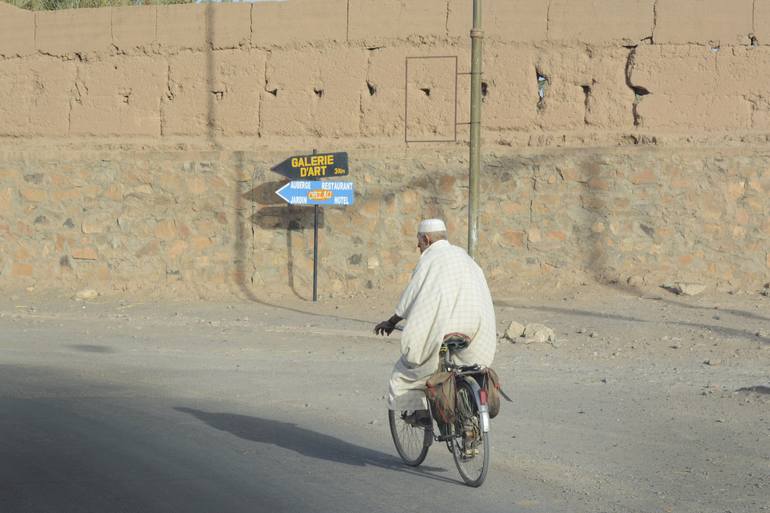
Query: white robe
<point x="446" y="294"/>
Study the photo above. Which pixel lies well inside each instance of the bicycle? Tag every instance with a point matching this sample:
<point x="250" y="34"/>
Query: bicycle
<point x="467" y="438"/>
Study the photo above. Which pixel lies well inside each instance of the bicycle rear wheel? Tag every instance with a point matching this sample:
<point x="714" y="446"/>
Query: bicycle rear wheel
<point x="412" y="442"/>
<point x="470" y="445"/>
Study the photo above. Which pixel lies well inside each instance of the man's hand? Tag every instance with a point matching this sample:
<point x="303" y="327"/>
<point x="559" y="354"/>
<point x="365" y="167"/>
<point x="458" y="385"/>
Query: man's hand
<point x="384" y="328"/>
<point x="387" y="327"/>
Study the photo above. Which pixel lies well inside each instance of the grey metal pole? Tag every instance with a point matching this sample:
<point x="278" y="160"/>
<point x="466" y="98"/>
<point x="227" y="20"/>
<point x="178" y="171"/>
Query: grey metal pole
<point x="477" y="37"/>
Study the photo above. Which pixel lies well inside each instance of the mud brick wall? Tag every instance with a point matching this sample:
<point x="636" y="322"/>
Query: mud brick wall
<point x="621" y="138"/>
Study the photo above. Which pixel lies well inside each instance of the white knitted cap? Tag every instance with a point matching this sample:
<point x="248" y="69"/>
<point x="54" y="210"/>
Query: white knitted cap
<point x="431" y="225"/>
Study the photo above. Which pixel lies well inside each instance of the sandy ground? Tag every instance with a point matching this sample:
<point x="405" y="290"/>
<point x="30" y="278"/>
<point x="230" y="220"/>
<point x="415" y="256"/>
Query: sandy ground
<point x="646" y="403"/>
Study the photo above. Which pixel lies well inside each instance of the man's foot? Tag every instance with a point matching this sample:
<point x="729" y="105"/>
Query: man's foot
<point x="418" y="418"/>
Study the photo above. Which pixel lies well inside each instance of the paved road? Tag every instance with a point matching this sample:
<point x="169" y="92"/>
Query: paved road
<point x="142" y="454"/>
<point x="112" y="409"/>
<point x="95" y="420"/>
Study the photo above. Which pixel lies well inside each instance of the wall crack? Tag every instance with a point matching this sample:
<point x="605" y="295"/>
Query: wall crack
<point x="360" y="112"/>
<point x="347" y="22"/>
<point x="251" y="25"/>
<point x="448" y="11"/>
<point x="169" y="98"/>
<point x="260" y="121"/>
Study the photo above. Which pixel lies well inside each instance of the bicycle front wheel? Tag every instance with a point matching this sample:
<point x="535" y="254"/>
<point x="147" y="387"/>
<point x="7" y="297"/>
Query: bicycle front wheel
<point x="470" y="445"/>
<point x="412" y="442"/>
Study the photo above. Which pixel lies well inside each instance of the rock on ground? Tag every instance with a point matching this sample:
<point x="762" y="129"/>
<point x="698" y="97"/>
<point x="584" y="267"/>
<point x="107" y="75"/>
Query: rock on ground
<point x="514" y="331"/>
<point x="86" y="294"/>
<point x="686" y="289"/>
<point x="535" y="332"/>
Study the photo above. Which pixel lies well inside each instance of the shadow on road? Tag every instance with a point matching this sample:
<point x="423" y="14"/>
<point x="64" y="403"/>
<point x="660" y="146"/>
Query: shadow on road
<point x="723" y="330"/>
<point x="758" y="389"/>
<point x="731" y="311"/>
<point x="306" y="442"/>
<point x="90" y="348"/>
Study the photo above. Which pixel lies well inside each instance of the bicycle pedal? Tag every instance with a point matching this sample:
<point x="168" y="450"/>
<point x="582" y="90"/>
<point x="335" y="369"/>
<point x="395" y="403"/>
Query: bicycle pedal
<point x="470" y="454"/>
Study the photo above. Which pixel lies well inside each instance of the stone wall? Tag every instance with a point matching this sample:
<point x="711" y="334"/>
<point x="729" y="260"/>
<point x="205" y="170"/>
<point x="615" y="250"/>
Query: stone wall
<point x="197" y="221"/>
<point x="622" y="137"/>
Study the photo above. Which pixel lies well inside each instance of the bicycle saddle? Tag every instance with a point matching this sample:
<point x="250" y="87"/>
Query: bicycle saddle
<point x="456" y="342"/>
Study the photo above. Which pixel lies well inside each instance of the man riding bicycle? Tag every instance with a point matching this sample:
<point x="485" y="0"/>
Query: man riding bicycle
<point x="446" y="294"/>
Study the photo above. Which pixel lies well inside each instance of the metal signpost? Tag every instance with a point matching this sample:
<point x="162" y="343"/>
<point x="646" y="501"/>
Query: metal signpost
<point x="301" y="191"/>
<point x="477" y="37"/>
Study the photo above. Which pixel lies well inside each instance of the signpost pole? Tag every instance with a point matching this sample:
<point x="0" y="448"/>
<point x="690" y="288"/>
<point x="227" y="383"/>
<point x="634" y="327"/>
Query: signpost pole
<point x="315" y="254"/>
<point x="477" y="37"/>
<point x="315" y="250"/>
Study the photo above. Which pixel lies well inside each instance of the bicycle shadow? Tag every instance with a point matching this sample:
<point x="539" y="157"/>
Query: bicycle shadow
<point x="308" y="443"/>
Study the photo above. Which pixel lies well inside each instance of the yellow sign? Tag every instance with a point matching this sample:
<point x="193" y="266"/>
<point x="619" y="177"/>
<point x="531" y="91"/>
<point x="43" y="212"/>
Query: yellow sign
<point x="320" y="195"/>
<point x="313" y="166"/>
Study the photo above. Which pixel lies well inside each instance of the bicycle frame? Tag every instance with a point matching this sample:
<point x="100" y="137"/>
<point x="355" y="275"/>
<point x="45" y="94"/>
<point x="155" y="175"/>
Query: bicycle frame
<point x="483" y="409"/>
<point x="469" y="377"/>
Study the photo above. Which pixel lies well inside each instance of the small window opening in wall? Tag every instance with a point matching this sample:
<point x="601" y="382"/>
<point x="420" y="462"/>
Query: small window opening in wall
<point x="484" y="89"/>
<point x="587" y="93"/>
<point x="125" y="97"/>
<point x="318" y="92"/>
<point x="372" y="88"/>
<point x="639" y="93"/>
<point x="587" y="102"/>
<point x="542" y="86"/>
<point x="425" y="90"/>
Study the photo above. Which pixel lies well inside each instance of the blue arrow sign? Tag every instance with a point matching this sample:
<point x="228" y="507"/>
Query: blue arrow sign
<point x="317" y="193"/>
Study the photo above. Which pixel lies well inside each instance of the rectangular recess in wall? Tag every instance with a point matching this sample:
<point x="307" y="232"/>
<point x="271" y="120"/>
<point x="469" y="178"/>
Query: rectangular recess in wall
<point x="430" y="103"/>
